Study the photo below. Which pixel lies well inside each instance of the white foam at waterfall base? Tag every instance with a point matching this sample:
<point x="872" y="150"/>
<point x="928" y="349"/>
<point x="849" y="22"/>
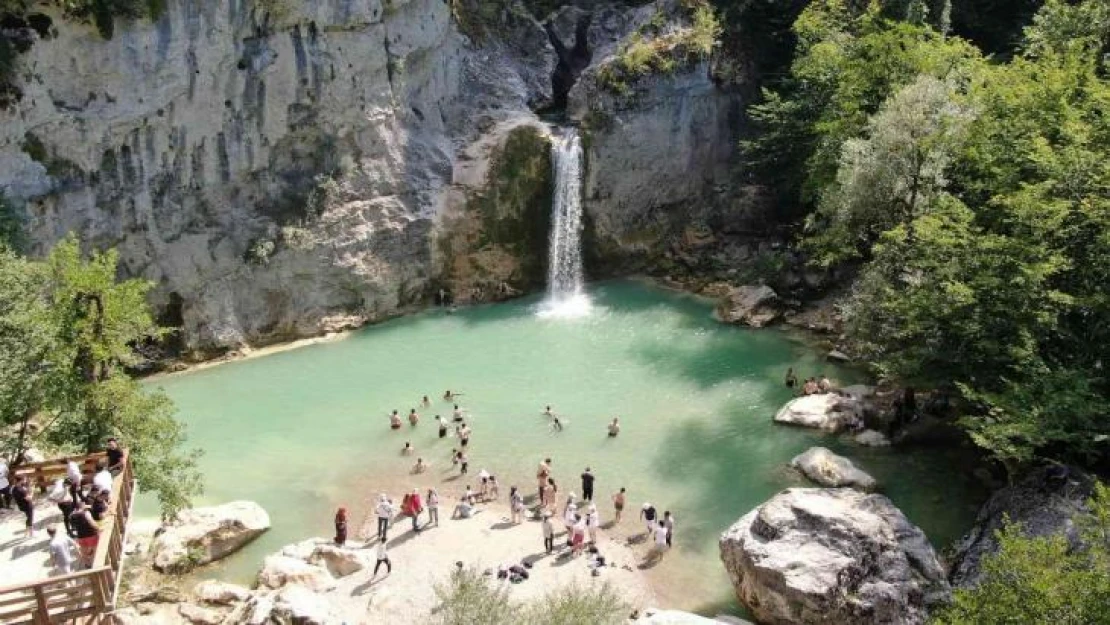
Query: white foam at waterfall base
<point x="566" y="295"/>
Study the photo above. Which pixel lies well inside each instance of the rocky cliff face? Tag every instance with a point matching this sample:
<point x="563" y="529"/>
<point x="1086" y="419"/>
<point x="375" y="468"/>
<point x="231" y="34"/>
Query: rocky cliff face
<point x="280" y="168"/>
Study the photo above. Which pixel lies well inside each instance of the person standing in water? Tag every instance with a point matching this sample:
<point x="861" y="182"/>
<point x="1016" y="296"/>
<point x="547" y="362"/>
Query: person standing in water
<point x="791" y="379"/>
<point x="457" y="414"/>
<point x="442" y="426"/>
<point x="618" y="504"/>
<point x="419" y="467"/>
<point x="341" y="527"/>
<point x="587" y="485"/>
<point x="408" y="449"/>
<point x="614" y="427"/>
<point x="394" y="421"/>
<point x="413" y="417"/>
<point x="427" y="403"/>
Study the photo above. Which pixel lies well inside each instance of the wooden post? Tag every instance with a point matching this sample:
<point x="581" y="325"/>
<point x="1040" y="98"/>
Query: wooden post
<point x="42" y="614"/>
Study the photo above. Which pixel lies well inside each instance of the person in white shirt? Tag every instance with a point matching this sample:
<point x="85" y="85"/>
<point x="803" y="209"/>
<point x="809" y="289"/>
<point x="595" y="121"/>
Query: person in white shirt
<point x="593" y="520"/>
<point x="383" y="558"/>
<point x="384" y="510"/>
<point x="63" y="551"/>
<point x="103" y="478"/>
<point x="60" y="495"/>
<point x="661" y="537"/>
<point x="5" y="486"/>
<point x="73" y="472"/>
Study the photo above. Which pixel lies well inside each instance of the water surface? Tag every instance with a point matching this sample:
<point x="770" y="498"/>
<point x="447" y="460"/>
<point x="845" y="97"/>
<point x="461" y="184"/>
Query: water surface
<point x="306" y="430"/>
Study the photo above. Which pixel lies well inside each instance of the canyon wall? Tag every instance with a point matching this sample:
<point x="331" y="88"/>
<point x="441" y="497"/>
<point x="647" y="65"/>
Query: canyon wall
<point x="281" y="168"/>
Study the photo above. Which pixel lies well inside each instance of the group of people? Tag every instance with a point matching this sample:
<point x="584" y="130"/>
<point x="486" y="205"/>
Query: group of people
<point x="811" y="386"/>
<point x="84" y="505"/>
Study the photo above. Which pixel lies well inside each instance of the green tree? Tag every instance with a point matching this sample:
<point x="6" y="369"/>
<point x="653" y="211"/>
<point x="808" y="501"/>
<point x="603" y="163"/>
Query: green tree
<point x="1042" y="579"/>
<point x="892" y="175"/>
<point x="69" y="334"/>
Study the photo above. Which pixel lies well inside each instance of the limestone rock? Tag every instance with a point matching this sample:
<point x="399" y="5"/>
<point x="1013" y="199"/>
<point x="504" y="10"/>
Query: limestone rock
<point x="828" y="469"/>
<point x="297" y="604"/>
<point x="838" y="356"/>
<point x="339" y="561"/>
<point x="655" y="616"/>
<point x="755" y="306"/>
<point x="828" y="411"/>
<point x="202" y="535"/>
<point x="1045" y="502"/>
<point x="304" y="549"/>
<point x="200" y="616"/>
<point x="259" y="610"/>
<point x="872" y="438"/>
<point x="220" y="593"/>
<point x="279" y="570"/>
<point x="816" y="555"/>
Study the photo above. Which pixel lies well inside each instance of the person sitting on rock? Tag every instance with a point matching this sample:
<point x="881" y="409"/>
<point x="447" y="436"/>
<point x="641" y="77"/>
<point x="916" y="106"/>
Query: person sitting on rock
<point x="824" y="385"/>
<point x="810" y="387"/>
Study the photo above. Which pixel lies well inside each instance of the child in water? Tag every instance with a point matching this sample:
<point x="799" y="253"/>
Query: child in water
<point x="407" y="449"/>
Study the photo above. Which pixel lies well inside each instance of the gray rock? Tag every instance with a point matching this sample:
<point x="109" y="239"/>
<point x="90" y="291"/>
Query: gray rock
<point x="838" y="356"/>
<point x="828" y="469"/>
<point x="200" y="616"/>
<point x="220" y="593"/>
<point x="202" y="535"/>
<point x="756" y="306"/>
<point x="829" y="412"/>
<point x="871" y="438"/>
<point x="655" y="616"/>
<point x="278" y="571"/>
<point x="1041" y="504"/>
<point x="832" y="556"/>
<point x="339" y="561"/>
<point x="297" y="604"/>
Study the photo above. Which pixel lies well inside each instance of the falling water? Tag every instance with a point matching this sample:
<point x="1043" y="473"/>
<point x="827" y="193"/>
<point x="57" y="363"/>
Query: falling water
<point x="565" y="294"/>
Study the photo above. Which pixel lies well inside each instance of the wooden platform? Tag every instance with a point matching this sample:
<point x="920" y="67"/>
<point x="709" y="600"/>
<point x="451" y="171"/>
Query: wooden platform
<point x="87" y="596"/>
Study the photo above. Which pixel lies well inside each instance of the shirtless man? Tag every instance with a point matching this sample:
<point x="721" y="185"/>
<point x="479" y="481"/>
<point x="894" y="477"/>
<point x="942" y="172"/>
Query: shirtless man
<point x="614" y="427"/>
<point x="618" y="504"/>
<point x="394" y="421"/>
<point x="542" y="473"/>
<point x="413" y="417"/>
<point x="457" y="414"/>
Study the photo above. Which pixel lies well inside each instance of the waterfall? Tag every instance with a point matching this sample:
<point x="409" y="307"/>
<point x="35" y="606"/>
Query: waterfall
<point x="566" y="296"/>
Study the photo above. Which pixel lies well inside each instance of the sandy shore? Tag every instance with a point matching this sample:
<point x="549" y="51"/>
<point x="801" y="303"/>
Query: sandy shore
<point x="423" y="560"/>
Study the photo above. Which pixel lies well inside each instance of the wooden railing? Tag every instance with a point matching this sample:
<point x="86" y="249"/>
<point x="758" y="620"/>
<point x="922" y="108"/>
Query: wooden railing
<point x="87" y="596"/>
<point x="43" y="474"/>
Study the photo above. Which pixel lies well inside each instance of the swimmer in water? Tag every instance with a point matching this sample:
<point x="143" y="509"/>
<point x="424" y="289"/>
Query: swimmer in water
<point x="449" y="396"/>
<point x="614" y="427"/>
<point x="426" y="402"/>
<point x="395" y="421"/>
<point x="442" y="426"/>
<point x="556" y="424"/>
<point x="413" y="417"/>
<point x="458" y="413"/>
<point x="407" y="449"/>
<point x="419" y="467"/>
<point x="547" y="412"/>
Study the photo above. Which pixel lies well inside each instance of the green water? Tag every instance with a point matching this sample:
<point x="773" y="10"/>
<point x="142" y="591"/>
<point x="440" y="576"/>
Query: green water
<point x="306" y="430"/>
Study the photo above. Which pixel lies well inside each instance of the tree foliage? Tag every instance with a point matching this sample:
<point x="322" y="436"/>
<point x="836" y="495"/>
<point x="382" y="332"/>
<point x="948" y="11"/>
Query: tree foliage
<point x="68" y="332"/>
<point x="978" y="196"/>
<point x="1042" y="579"/>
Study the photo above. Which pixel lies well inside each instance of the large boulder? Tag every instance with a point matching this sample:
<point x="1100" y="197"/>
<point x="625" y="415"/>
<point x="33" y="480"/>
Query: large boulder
<point x="755" y="306"/>
<point x="202" y="535"/>
<point x="872" y="438"/>
<point x="828" y="469"/>
<point x="339" y="561"/>
<point x="832" y="555"/>
<point x="278" y="571"/>
<point x="199" y="615"/>
<point x="1046" y="502"/>
<point x="828" y="411"/>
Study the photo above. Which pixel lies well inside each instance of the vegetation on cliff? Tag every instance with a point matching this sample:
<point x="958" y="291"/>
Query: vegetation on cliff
<point x="1042" y="579"/>
<point x="974" y="195"/>
<point x="68" y="333"/>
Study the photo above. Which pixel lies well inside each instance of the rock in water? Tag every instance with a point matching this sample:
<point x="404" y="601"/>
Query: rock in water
<point x="828" y="469"/>
<point x="203" y="535"/>
<point x="755" y="306"/>
<point x="829" y="412"/>
<point x="821" y="555"/>
<point x="872" y="438"/>
<point x="1046" y="502"/>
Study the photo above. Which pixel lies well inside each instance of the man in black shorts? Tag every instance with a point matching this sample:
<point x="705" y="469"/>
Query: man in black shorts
<point x="588" y="485"/>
